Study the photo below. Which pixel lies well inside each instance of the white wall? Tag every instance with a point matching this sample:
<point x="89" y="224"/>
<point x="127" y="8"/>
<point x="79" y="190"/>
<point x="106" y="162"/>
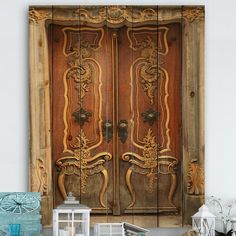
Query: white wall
<point x="220" y="91"/>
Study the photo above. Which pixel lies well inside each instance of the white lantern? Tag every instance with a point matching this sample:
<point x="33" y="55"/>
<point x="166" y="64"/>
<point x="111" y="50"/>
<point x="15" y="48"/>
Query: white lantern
<point x="203" y="222"/>
<point x="71" y="218"/>
<point x="233" y="225"/>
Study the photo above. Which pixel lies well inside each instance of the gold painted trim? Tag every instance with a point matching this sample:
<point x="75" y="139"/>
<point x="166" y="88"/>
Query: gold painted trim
<point x="80" y="30"/>
<point x="169" y="161"/>
<point x="66" y="99"/>
<point x="167" y="129"/>
<point x="104" y="187"/>
<point x="82" y="164"/>
<point x="167" y="113"/>
<point x="149" y="28"/>
<point x="130" y="188"/>
<point x="150" y="165"/>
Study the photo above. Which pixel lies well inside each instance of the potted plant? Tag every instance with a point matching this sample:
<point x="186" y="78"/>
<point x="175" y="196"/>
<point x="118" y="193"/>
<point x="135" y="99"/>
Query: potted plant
<point x="224" y="213"/>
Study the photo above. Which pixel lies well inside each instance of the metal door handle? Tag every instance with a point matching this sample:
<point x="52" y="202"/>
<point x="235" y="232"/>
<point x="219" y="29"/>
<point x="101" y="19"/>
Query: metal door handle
<point x="123" y="130"/>
<point x="107" y="130"/>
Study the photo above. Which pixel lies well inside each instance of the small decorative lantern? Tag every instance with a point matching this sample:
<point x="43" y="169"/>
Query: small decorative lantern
<point x="203" y="222"/>
<point x="71" y="218"/>
<point x="233" y="225"/>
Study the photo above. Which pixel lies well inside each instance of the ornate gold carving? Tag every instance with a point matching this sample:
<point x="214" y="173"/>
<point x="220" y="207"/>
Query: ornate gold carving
<point x="192" y="14"/>
<point x="79" y="43"/>
<point x="37" y="15"/>
<point x="39" y="177"/>
<point x="149" y="73"/>
<point x="82" y="164"/>
<point x="116" y="14"/>
<point x="81" y="68"/>
<point x="195" y="178"/>
<point x="150" y="164"/>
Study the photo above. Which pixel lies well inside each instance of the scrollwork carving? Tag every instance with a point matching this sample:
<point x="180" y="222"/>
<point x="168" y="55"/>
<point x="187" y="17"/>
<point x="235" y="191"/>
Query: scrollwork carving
<point x="150" y="70"/>
<point x="195" y="178"/>
<point x="81" y="77"/>
<point x="37" y="15"/>
<point x="192" y="14"/>
<point x="116" y="14"/>
<point x="39" y="177"/>
<point x="80" y="69"/>
<point x="82" y="164"/>
<point x="150" y="164"/>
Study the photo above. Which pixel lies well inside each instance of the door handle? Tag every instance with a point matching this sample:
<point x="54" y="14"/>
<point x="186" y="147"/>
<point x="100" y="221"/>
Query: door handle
<point x="107" y="130"/>
<point x="123" y="130"/>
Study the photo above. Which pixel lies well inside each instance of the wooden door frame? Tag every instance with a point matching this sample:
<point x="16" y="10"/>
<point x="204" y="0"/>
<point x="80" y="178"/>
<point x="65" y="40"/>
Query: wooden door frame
<point x="192" y="21"/>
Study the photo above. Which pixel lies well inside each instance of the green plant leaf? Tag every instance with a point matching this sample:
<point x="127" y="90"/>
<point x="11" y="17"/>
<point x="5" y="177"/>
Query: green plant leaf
<point x="220" y="234"/>
<point x="229" y="233"/>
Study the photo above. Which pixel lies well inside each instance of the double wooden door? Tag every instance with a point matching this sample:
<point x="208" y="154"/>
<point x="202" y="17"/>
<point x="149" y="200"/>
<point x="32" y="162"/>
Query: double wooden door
<point x="116" y="116"/>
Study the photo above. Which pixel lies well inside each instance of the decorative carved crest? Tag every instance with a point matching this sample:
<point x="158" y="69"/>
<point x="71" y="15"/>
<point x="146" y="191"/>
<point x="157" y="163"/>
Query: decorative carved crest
<point x="195" y="178"/>
<point x="37" y="15"/>
<point x="39" y="177"/>
<point x="115" y="14"/>
<point x="192" y="14"/>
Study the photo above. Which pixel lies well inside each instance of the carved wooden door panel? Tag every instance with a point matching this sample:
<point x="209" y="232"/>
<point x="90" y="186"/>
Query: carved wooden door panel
<point x="116" y="117"/>
<point x="117" y="110"/>
<point x="149" y="107"/>
<point x="82" y="115"/>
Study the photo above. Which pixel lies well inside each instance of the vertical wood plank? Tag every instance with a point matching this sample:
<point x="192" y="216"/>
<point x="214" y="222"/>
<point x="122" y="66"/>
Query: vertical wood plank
<point x="193" y="110"/>
<point x="40" y="127"/>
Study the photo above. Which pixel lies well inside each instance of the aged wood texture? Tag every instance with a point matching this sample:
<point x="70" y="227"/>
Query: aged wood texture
<point x="192" y="24"/>
<point x="152" y="151"/>
<point x="40" y="125"/>
<point x="193" y="103"/>
<point x="81" y="109"/>
<point x="96" y="83"/>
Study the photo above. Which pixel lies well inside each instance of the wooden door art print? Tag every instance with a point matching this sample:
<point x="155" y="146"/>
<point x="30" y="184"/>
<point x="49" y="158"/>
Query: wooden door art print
<point x="117" y="111"/>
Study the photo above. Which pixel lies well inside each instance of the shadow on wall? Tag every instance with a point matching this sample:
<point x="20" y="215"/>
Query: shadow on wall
<point x="153" y="232"/>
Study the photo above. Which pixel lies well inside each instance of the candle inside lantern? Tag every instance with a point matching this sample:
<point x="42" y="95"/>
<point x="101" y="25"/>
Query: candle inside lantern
<point x="63" y="232"/>
<point x="71" y="230"/>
